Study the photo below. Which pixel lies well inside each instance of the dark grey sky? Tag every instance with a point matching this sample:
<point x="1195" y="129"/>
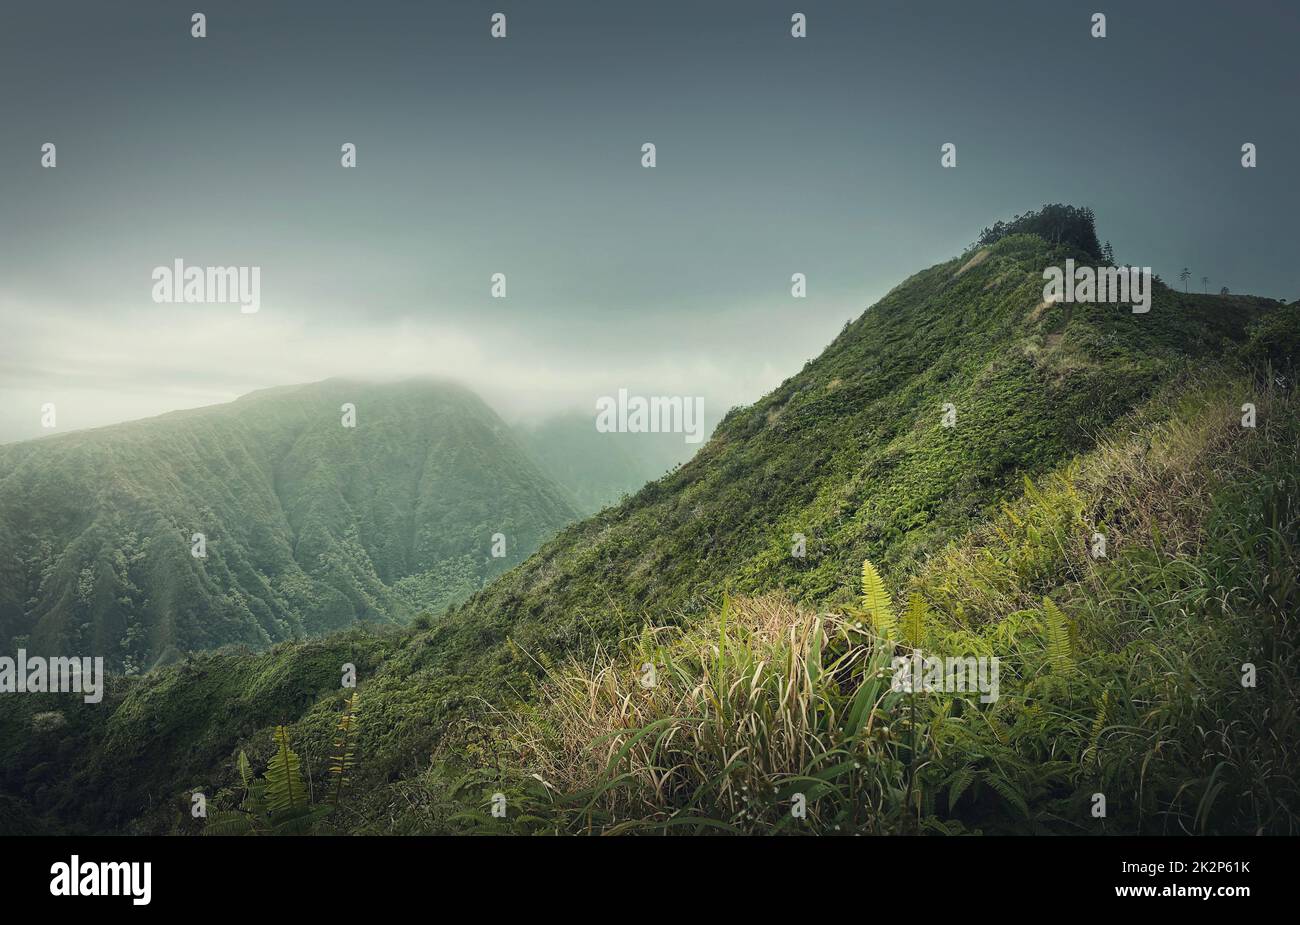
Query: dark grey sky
<point x="522" y="156"/>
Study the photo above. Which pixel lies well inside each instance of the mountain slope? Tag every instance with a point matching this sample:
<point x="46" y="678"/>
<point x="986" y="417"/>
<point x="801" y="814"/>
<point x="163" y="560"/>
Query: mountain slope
<point x="308" y="525"/>
<point x="851" y="452"/>
<point x="1159" y="673"/>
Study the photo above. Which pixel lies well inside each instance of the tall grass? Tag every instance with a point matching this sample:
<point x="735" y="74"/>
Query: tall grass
<point x="767" y="703"/>
<point x="1129" y="691"/>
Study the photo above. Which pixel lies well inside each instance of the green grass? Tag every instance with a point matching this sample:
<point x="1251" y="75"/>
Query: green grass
<point x="1133" y="691"/>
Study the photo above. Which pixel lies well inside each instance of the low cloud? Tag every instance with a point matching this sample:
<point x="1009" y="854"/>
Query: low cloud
<point x="101" y="368"/>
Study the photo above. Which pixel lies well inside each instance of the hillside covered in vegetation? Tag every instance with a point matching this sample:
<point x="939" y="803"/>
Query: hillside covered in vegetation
<point x="964" y="436"/>
<point x="306" y="525"/>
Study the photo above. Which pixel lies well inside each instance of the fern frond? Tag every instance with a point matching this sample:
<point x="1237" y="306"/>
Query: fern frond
<point x="228" y="823"/>
<point x="876" y="600"/>
<point x="301" y="821"/>
<point x="960" y="781"/>
<point x="285" y="790"/>
<point x="245" y="770"/>
<point x="915" y="619"/>
<point x="1058" y="638"/>
<point x="1099" y="724"/>
<point x="344" y="751"/>
<point x="1008" y="791"/>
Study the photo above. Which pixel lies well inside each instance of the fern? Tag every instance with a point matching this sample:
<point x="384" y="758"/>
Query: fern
<point x="876" y="601"/>
<point x="344" y="748"/>
<point x="959" y="781"/>
<point x="230" y="822"/>
<point x="1058" y="638"/>
<point x="285" y="790"/>
<point x="1008" y="790"/>
<point x="251" y="817"/>
<point x="914" y="620"/>
<point x="277" y="804"/>
<point x="245" y="770"/>
<point x="1098" y="724"/>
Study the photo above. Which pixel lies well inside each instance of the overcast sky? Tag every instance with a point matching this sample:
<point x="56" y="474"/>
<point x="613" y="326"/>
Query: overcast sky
<point x="523" y="156"/>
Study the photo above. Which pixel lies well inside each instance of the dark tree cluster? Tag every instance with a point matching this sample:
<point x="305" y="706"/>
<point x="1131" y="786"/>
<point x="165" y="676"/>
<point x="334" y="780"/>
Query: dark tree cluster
<point x="1055" y="223"/>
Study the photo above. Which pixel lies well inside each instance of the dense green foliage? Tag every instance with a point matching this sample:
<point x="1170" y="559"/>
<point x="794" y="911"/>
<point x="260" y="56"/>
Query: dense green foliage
<point x="1165" y="683"/>
<point x="309" y="526"/>
<point x="852" y="454"/>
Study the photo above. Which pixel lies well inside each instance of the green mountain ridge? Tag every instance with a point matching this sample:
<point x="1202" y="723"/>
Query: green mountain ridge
<point x="308" y="525"/>
<point x="852" y="453"/>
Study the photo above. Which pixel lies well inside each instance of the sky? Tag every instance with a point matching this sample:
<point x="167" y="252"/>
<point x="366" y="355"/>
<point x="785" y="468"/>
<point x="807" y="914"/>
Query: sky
<point x="523" y="156"/>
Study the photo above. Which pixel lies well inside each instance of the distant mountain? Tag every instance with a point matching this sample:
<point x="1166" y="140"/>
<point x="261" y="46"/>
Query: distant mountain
<point x="599" y="469"/>
<point x="307" y="525"/>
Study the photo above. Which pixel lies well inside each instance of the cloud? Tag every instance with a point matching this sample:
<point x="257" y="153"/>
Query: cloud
<point x="119" y="364"/>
